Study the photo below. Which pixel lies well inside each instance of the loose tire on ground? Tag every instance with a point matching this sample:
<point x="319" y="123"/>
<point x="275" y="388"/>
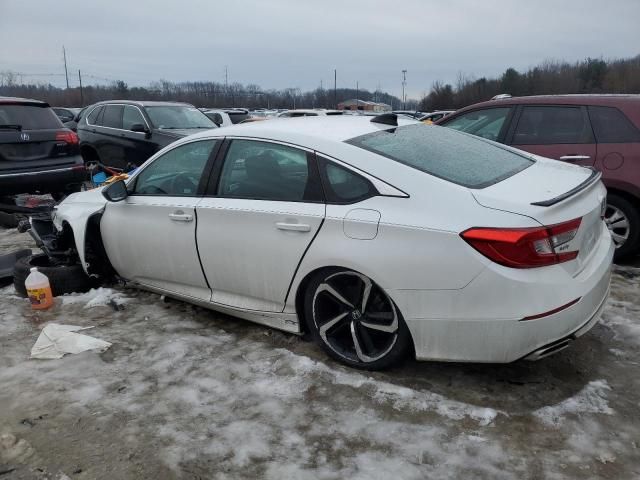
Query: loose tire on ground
<point x="8" y="220"/>
<point x="63" y="278"/>
<point x="337" y="292"/>
<point x="621" y="204"/>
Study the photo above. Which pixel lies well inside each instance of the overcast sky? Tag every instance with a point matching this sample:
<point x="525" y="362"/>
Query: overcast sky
<point x="298" y="43"/>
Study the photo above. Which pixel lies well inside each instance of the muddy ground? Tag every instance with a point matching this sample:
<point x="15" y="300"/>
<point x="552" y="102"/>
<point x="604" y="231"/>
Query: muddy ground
<point x="188" y="393"/>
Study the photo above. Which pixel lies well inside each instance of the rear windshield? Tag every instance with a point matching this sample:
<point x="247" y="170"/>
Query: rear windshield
<point x="29" y="117"/>
<point x="237" y="117"/>
<point x="457" y="157"/>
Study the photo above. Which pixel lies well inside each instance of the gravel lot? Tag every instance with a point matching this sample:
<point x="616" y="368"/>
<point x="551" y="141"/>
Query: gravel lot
<point x="188" y="393"/>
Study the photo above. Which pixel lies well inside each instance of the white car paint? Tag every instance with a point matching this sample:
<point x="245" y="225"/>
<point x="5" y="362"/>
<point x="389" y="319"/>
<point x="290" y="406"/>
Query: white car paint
<point x="457" y="303"/>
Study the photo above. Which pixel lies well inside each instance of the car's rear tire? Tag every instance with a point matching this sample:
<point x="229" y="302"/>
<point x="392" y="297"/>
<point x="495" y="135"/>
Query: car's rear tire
<point x="63" y="277"/>
<point x="623" y="220"/>
<point x="355" y="321"/>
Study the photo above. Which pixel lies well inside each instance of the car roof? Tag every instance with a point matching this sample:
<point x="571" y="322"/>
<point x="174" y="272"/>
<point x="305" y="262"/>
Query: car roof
<point x="145" y="103"/>
<point x="22" y="101"/>
<point x="308" y="131"/>
<point x="568" y="99"/>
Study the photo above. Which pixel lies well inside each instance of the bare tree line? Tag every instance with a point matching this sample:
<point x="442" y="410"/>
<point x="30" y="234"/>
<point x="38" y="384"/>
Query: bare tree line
<point x="201" y="94"/>
<point x="549" y="78"/>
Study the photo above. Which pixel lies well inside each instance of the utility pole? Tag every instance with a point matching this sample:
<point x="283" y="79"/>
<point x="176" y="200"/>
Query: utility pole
<point x="81" y="97"/>
<point x="404" y="83"/>
<point x="226" y="84"/>
<point x="66" y="74"/>
<point x="335" y="89"/>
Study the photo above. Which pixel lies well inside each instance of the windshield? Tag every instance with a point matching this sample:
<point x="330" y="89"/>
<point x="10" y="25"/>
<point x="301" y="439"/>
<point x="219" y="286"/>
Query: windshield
<point x="459" y="158"/>
<point x="178" y="117"/>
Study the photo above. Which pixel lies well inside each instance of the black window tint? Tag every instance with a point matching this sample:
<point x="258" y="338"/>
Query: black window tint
<point x="29" y="117"/>
<point x="483" y="123"/>
<point x="612" y="126"/>
<point x="552" y="125"/>
<point x="131" y="116"/>
<point x="177" y="173"/>
<point x="268" y="171"/>
<point x="93" y="116"/>
<point x="445" y="153"/>
<point x="237" y="117"/>
<point x="342" y="185"/>
<point x="112" y="116"/>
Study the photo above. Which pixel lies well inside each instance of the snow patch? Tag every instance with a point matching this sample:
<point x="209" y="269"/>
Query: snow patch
<point x="591" y="399"/>
<point x="96" y="297"/>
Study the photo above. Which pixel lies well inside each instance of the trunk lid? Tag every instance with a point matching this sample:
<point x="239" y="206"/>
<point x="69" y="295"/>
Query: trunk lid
<point x="548" y="181"/>
<point x="26" y="149"/>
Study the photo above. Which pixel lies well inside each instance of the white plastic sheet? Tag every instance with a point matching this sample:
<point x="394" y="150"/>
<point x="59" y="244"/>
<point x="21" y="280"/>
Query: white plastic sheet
<point x="56" y="340"/>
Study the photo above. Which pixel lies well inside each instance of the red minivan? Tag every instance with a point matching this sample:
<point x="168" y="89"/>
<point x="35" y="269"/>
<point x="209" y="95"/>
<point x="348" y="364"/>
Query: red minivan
<point x="600" y="131"/>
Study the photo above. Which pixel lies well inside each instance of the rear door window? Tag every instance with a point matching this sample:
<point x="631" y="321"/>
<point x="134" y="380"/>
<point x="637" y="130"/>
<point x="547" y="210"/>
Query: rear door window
<point x="268" y="171"/>
<point x="112" y="116"/>
<point x="29" y="117"/>
<point x="442" y="152"/>
<point x="610" y="125"/>
<point x="551" y="125"/>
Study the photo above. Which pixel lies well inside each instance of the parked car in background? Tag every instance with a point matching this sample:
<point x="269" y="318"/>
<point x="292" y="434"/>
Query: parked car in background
<point x="125" y="133"/>
<point x="66" y="114"/>
<point x="435" y="116"/>
<point x="301" y="112"/>
<point x="37" y="153"/>
<point x="223" y="117"/>
<point x="600" y="131"/>
<point x="381" y="237"/>
<point x="73" y="124"/>
<point x="409" y="113"/>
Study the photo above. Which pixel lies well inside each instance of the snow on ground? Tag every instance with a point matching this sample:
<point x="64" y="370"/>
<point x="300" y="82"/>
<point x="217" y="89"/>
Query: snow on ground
<point x="188" y="393"/>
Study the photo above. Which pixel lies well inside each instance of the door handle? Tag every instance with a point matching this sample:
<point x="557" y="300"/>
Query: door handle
<point x="294" y="227"/>
<point x="180" y="216"/>
<point x="573" y="158"/>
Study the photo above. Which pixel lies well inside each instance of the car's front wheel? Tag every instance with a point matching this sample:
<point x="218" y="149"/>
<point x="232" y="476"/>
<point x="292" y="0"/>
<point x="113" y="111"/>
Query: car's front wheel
<point x="355" y="321"/>
<point x="623" y="221"/>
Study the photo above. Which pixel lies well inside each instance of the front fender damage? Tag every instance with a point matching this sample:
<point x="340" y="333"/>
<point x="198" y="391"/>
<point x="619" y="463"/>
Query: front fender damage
<point x="81" y="212"/>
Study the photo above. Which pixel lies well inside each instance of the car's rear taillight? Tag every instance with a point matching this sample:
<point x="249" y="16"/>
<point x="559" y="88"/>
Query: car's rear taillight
<point x="68" y="137"/>
<point x="525" y="247"/>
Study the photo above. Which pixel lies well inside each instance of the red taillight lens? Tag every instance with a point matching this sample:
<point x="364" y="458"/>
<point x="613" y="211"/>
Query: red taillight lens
<point x="525" y="247"/>
<point x="68" y="137"/>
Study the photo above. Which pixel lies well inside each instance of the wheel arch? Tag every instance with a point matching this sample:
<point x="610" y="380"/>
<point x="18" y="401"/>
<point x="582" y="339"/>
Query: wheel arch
<point x="89" y="153"/>
<point x="302" y="286"/>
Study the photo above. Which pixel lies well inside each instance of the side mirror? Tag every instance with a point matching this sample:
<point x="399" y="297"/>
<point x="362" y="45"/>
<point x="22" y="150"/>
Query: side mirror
<point x="116" y="192"/>
<point x="138" y="127"/>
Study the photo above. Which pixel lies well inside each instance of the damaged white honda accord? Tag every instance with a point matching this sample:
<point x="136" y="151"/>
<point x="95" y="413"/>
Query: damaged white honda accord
<point x="379" y="237"/>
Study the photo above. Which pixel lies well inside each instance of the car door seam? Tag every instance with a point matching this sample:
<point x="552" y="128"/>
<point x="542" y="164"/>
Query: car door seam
<point x="195" y="233"/>
<point x="304" y="254"/>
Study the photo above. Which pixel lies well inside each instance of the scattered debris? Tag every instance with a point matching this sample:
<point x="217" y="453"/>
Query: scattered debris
<point x="56" y="340"/>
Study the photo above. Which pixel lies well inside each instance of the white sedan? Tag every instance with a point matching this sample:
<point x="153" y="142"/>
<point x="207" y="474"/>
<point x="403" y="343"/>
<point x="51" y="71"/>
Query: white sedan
<point x="379" y="237"/>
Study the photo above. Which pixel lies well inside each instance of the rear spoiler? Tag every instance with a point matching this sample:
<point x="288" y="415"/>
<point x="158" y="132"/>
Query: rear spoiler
<point x="593" y="178"/>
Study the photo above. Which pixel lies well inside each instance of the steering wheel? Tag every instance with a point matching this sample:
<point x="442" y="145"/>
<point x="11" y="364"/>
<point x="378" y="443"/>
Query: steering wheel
<point x="183" y="184"/>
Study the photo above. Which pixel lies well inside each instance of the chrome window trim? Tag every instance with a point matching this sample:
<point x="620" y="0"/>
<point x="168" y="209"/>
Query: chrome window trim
<point x="113" y="128"/>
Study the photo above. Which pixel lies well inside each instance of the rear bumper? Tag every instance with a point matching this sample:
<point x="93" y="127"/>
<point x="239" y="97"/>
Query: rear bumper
<point x="483" y="322"/>
<point x="44" y="179"/>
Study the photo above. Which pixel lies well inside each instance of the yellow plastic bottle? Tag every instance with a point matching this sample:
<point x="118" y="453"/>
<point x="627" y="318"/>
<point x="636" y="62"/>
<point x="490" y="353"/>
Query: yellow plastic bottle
<point x="38" y="290"/>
